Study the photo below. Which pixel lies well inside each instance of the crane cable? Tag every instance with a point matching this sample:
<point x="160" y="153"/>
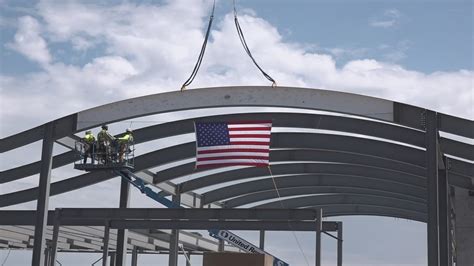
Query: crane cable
<point x="203" y="49"/>
<point x="246" y="48"/>
<point x="204" y="45"/>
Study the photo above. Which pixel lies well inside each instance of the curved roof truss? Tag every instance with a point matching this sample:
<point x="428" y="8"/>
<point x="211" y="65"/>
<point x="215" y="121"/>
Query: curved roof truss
<point x="371" y="151"/>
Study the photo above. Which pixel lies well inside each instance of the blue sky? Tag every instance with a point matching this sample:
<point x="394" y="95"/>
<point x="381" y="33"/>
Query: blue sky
<point x="59" y="57"/>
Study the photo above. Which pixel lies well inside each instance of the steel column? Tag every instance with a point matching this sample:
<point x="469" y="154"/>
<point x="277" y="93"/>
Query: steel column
<point x="105" y="248"/>
<point x="47" y="256"/>
<point x="54" y="247"/>
<point x="122" y="234"/>
<point x="135" y="256"/>
<point x="443" y="217"/>
<point x="174" y="237"/>
<point x="432" y="150"/>
<point x="339" y="244"/>
<point x="43" y="196"/>
<point x="451" y="222"/>
<point x="113" y="255"/>
<point x="319" y="227"/>
<point x="262" y="240"/>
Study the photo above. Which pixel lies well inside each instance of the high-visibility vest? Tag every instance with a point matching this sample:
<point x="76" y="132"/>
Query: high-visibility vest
<point x="126" y="138"/>
<point x="89" y="138"/>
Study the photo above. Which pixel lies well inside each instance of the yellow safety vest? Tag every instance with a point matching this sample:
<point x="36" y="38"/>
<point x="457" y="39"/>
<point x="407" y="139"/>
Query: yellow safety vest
<point x="126" y="138"/>
<point x="89" y="138"/>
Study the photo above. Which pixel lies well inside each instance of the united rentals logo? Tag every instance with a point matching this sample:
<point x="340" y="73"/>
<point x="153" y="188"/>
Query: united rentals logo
<point x="238" y="241"/>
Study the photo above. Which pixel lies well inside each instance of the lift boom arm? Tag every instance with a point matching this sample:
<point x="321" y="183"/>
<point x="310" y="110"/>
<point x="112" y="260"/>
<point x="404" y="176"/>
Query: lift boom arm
<point x="224" y="235"/>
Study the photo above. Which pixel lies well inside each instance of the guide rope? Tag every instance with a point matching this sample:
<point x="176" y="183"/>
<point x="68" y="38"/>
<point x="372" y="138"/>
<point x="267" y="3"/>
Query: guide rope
<point x="6" y="257"/>
<point x="203" y="49"/>
<point x="289" y="225"/>
<point x="246" y="48"/>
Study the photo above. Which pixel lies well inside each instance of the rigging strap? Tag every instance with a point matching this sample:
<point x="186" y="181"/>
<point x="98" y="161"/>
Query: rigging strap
<point x="203" y="49"/>
<point x="246" y="48"/>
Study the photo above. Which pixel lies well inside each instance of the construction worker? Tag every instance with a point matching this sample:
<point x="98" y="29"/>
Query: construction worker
<point x="124" y="143"/>
<point x="89" y="146"/>
<point x="105" y="140"/>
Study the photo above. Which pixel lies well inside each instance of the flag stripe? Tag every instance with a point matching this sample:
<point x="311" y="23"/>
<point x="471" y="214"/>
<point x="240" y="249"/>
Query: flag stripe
<point x="231" y="150"/>
<point x="263" y="136"/>
<point x="229" y="154"/>
<point x="249" y="122"/>
<point x="259" y="140"/>
<point x="267" y="143"/>
<point x="224" y="147"/>
<point x="265" y="129"/>
<point x="232" y="158"/>
<point x="249" y="126"/>
<point x="214" y="165"/>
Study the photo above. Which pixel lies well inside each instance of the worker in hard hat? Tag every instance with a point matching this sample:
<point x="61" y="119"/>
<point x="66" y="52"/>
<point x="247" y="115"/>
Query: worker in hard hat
<point x="104" y="141"/>
<point x="89" y="146"/>
<point x="124" y="143"/>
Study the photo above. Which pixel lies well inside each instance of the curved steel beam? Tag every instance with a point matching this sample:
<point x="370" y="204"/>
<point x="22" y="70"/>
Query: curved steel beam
<point x="456" y="148"/>
<point x="349" y="144"/>
<point x="280" y="119"/>
<point x="358" y="209"/>
<point x="312" y="99"/>
<point x="312" y="190"/>
<point x="301" y="98"/>
<point x="142" y="162"/>
<point x="184" y="151"/>
<point x="302" y="155"/>
<point x="304" y="168"/>
<point x="345" y="199"/>
<point x="295" y="120"/>
<point x="240" y="189"/>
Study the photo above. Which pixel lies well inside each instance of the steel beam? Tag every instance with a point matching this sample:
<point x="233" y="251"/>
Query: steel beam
<point x="122" y="233"/>
<point x="304" y="168"/>
<point x="94" y="214"/>
<point x="444" y="216"/>
<point x="431" y="155"/>
<point x="346" y="199"/>
<point x="187" y="150"/>
<point x="238" y="219"/>
<point x="47" y="256"/>
<point x="401" y="113"/>
<point x="370" y="210"/>
<point x="339" y="243"/>
<point x="43" y="196"/>
<point x="237" y="97"/>
<point x="313" y="190"/>
<point x="174" y="237"/>
<point x="303" y="155"/>
<point x="319" y="228"/>
<point x="296" y="120"/>
<point x="113" y="257"/>
<point x="105" y="247"/>
<point x="456" y="125"/>
<point x="135" y="256"/>
<point x="54" y="247"/>
<point x="330" y="180"/>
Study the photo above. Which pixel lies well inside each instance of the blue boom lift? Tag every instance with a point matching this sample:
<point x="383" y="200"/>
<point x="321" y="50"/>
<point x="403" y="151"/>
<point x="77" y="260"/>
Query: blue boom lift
<point x="123" y="166"/>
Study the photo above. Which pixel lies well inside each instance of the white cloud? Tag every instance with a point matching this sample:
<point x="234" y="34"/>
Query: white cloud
<point x="390" y="18"/>
<point x="28" y="41"/>
<point x="151" y="48"/>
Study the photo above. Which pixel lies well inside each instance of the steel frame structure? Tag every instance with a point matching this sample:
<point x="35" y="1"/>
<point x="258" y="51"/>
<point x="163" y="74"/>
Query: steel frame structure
<point x="358" y="149"/>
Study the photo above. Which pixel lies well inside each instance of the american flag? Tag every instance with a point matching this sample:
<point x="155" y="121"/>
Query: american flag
<point x="221" y="144"/>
